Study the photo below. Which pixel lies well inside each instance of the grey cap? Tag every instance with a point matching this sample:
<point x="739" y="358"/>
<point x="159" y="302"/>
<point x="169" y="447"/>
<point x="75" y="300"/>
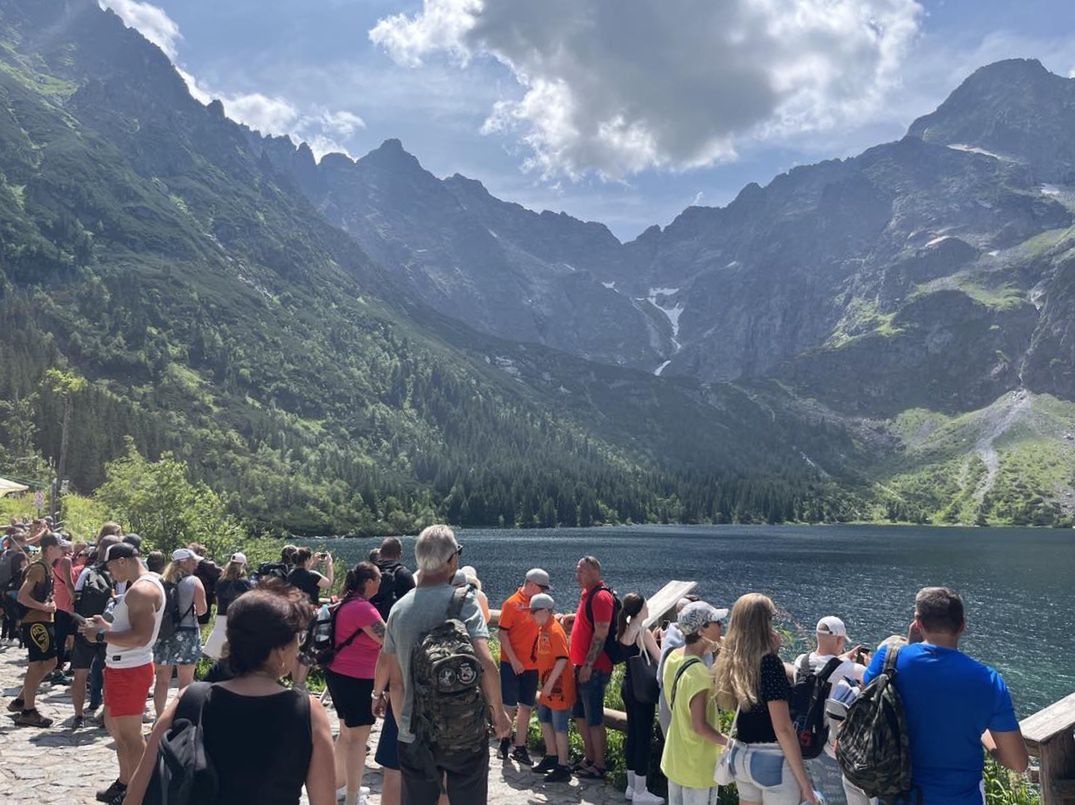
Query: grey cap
<point x="693" y="617"/>
<point x="539" y="577"/>
<point x="542" y="601"/>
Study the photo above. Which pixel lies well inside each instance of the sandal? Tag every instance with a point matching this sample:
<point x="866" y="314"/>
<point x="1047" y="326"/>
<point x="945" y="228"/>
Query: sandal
<point x="591" y="773"/>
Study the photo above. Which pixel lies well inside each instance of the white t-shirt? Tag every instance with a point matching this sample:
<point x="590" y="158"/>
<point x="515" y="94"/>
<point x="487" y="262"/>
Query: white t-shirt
<point x="847" y="671"/>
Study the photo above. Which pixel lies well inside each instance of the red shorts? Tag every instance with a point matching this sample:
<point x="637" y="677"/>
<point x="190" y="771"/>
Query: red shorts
<point x="126" y="690"/>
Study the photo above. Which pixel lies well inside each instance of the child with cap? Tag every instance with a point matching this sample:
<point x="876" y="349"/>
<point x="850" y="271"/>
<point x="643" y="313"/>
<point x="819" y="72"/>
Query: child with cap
<point x="556" y="695"/>
<point x="692" y="745"/>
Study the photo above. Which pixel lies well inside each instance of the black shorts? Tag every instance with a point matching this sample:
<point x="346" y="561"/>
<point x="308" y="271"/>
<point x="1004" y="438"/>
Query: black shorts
<point x="84" y="652"/>
<point x="387" y="756"/>
<point x="516" y="688"/>
<point x="352" y="698"/>
<point x="40" y="641"/>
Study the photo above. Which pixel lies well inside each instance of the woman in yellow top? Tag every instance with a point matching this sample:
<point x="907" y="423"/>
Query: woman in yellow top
<point x="693" y="743"/>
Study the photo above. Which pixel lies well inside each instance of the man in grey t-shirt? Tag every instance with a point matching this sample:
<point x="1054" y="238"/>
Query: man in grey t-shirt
<point x="412" y="617"/>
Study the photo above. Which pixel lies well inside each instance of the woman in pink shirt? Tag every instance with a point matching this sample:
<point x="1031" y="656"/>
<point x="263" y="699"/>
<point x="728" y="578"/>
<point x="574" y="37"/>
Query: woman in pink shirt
<point x="358" y="635"/>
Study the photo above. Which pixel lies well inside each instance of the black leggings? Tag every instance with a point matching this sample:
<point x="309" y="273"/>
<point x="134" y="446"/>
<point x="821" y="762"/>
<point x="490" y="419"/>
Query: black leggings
<point x="638" y="747"/>
<point x="10" y="627"/>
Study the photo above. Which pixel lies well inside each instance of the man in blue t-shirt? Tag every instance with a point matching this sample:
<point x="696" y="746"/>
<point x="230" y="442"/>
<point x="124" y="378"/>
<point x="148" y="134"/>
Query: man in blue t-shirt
<point x="953" y="706"/>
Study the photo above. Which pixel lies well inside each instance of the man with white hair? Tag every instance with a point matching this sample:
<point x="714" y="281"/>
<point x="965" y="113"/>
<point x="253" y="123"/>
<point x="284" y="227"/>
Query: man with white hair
<point x="831" y="636"/>
<point x="414" y="616"/>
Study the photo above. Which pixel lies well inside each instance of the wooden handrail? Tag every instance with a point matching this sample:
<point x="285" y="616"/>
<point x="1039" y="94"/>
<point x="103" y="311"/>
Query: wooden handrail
<point x="1050" y="735"/>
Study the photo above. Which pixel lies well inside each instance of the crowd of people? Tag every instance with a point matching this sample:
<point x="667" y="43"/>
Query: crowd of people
<point x="413" y="650"/>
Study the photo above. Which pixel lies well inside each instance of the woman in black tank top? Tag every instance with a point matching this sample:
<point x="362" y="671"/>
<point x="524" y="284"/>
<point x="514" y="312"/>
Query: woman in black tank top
<point x="265" y="741"/>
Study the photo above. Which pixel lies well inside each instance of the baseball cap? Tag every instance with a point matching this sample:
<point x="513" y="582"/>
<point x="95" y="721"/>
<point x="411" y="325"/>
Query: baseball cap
<point x="539" y="577"/>
<point x="832" y="625"/>
<point x="239" y="557"/>
<point x="120" y="550"/>
<point x="182" y="554"/>
<point x="541" y="601"/>
<point x="696" y="615"/>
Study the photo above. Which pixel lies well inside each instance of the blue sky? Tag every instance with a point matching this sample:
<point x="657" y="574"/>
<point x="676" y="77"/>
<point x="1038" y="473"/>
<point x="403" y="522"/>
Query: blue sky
<point x="621" y="111"/>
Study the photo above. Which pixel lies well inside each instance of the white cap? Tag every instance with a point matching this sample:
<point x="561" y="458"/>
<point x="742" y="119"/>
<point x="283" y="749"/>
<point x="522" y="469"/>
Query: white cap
<point x="459" y="579"/>
<point x="469" y="570"/>
<point x="831" y="625"/>
<point x="182" y="554"/>
<point x="239" y="558"/>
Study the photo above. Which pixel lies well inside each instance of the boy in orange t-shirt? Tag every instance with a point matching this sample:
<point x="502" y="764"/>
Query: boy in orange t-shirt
<point x="557" y="693"/>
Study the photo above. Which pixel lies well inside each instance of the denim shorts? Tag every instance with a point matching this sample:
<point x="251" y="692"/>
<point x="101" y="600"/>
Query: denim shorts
<point x="590" y="699"/>
<point x="518" y="689"/>
<point x="762" y="774"/>
<point x="560" y="719"/>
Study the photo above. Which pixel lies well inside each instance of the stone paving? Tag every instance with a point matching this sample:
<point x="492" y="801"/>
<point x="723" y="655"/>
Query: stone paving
<point x="56" y="765"/>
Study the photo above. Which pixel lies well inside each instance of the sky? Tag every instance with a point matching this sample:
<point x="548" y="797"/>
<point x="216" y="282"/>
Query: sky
<point x="618" y="111"/>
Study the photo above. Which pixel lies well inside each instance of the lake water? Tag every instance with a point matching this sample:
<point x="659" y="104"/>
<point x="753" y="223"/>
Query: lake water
<point x="1018" y="584"/>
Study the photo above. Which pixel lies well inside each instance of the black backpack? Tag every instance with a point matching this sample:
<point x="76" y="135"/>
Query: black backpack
<point x="184" y="773"/>
<point x="872" y="747"/>
<point x="320" y="644"/>
<point x="613" y="648"/>
<point x="807" y="705"/>
<point x="272" y="570"/>
<point x="172" y="616"/>
<point x="95" y="594"/>
<point x="387" y="595"/>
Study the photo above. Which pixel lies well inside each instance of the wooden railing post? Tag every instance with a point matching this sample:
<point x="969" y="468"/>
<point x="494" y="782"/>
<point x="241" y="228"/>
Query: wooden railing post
<point x="1049" y="735"/>
<point x="1058" y="769"/>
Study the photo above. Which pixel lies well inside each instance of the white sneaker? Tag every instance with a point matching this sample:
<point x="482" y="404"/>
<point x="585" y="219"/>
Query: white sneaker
<point x="646" y="798"/>
<point x="629" y="793"/>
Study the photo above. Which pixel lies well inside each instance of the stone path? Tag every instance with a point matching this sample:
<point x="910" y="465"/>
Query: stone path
<point x="57" y="765"/>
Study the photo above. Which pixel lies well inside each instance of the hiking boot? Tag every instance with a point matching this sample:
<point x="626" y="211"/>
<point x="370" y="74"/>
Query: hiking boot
<point x="561" y="774"/>
<point x="15" y="705"/>
<point x="77" y="723"/>
<point x="547" y="764"/>
<point x="110" y="793"/>
<point x="31" y="718"/>
<point x="521" y="754"/>
<point x="505" y="748"/>
<point x="57" y="678"/>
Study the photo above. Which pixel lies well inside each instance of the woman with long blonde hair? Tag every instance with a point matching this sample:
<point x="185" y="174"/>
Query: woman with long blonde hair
<point x="765" y="760"/>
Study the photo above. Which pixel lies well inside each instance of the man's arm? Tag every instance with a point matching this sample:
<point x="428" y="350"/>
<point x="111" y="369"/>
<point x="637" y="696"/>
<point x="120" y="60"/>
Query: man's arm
<point x="491" y="686"/>
<point x="395" y="683"/>
<point x="597" y="645"/>
<point x="142" y="604"/>
<point x="554" y="677"/>
<point x="1007" y="748"/>
<point x="65" y="576"/>
<point x="700" y="724"/>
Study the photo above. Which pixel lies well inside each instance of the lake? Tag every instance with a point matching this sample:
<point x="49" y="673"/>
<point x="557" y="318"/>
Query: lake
<point x="1018" y="584"/>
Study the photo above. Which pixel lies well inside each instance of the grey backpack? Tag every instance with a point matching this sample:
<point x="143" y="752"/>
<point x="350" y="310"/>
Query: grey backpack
<point x="450" y="710"/>
<point x="872" y="748"/>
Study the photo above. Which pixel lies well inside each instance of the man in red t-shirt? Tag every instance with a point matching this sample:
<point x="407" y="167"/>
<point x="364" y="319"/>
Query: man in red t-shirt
<point x="518" y="666"/>
<point x="593" y="668"/>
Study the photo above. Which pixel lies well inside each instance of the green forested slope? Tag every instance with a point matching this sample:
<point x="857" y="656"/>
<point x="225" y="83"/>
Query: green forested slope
<point x="214" y="313"/>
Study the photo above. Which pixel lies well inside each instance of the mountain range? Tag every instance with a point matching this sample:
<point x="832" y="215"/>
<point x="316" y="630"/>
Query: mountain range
<point x="359" y="345"/>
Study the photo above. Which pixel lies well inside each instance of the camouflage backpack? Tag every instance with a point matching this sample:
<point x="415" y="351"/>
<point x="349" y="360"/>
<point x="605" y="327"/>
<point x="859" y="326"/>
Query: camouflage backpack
<point x="872" y="748"/>
<point x="450" y="711"/>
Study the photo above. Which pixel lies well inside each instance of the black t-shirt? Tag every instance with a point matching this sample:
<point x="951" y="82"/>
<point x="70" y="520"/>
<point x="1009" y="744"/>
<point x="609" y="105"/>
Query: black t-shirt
<point x="307" y="581"/>
<point x="754" y="725"/>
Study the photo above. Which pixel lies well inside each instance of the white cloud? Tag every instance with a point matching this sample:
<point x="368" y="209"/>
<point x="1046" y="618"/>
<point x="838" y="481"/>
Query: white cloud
<point x="149" y="20"/>
<point x="618" y="87"/>
<point x="265" y="113"/>
<point x="342" y="123"/>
